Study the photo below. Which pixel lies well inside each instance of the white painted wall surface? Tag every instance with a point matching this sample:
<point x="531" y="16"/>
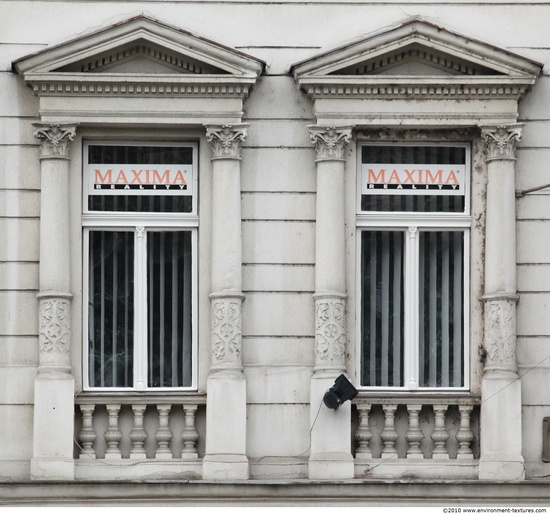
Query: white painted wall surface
<point x="278" y="201"/>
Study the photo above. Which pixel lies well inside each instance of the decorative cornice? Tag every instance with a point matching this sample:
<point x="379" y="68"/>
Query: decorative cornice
<point x="55" y="139"/>
<point x="226" y="140"/>
<point x="410" y="88"/>
<point x="128" y="85"/>
<point x="500" y="141"/>
<point x="330" y="142"/>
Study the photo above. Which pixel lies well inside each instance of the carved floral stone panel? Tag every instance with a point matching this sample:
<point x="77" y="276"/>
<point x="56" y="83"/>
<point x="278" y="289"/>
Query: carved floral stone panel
<point x="500" y="335"/>
<point x="330" y="333"/>
<point x="226" y="330"/>
<point x="54" y="326"/>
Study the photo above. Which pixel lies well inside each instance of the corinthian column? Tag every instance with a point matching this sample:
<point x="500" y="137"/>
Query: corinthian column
<point x="330" y="433"/>
<point x="54" y="384"/>
<point x="501" y="457"/>
<point x="226" y="405"/>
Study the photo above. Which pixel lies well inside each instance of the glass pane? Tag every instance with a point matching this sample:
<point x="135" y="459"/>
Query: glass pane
<point x="382" y="308"/>
<point x="413" y="155"/>
<point x="441" y="308"/>
<point x="111" y="154"/>
<point x="169" y="284"/>
<point x="110" y="307"/>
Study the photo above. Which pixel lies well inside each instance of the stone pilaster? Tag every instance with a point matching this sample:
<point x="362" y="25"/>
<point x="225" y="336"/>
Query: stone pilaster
<point x="330" y="430"/>
<point x="501" y="457"/>
<point x="226" y="442"/>
<point x="54" y="385"/>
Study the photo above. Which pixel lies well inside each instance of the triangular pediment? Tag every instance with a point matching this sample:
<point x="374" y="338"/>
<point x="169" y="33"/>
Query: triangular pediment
<point x="148" y="54"/>
<point x="412" y="51"/>
<point x="128" y="46"/>
<point x="459" y="81"/>
<point x="140" y="71"/>
<point x="416" y="59"/>
<point x="142" y="56"/>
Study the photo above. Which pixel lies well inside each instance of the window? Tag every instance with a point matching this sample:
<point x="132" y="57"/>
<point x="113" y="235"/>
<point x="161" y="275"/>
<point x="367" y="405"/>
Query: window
<point x="413" y="227"/>
<point x="140" y="233"/>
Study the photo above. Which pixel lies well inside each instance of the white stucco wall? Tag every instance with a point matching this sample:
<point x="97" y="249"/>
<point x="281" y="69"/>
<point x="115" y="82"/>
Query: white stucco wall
<point x="278" y="200"/>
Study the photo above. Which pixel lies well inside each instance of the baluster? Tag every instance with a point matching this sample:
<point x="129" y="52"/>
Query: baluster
<point x="465" y="434"/>
<point x="87" y="434"/>
<point x="113" y="434"/>
<point x="389" y="434"/>
<point x="363" y="434"/>
<point x="138" y="435"/>
<point x="189" y="434"/>
<point x="163" y="435"/>
<point x="440" y="434"/>
<point x="414" y="434"/>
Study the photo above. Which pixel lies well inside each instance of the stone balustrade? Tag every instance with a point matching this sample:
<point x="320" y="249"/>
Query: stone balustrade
<point x="149" y="435"/>
<point x="417" y="437"/>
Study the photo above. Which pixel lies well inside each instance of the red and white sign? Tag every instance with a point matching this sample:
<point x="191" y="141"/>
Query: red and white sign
<point x="147" y="179"/>
<point x="418" y="179"/>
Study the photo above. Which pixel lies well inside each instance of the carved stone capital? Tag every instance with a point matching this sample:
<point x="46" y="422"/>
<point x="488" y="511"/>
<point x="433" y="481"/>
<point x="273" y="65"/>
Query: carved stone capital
<point x="55" y="139"/>
<point x="54" y="332"/>
<point x="226" y="140"/>
<point x="500" y="141"/>
<point x="500" y="334"/>
<point x="330" y="142"/>
<point x="330" y="332"/>
<point x="226" y="324"/>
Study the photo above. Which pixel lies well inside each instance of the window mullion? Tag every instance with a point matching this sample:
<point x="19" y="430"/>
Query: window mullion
<point x="140" y="317"/>
<point x="411" y="308"/>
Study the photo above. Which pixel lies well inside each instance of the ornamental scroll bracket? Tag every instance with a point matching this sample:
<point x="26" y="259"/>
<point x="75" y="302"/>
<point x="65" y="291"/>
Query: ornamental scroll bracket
<point x="55" y="139"/>
<point x="330" y="142"/>
<point x="226" y="140"/>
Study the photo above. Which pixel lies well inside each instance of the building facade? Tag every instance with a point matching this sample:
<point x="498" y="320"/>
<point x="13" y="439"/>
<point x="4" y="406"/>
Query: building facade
<point x="210" y="211"/>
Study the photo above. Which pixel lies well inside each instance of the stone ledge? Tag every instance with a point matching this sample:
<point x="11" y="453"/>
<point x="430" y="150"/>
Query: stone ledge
<point x="277" y="493"/>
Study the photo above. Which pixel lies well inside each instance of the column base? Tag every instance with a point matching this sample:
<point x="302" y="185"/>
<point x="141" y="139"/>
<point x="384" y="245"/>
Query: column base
<point x="501" y="466"/>
<point x="52" y="469"/>
<point x="225" y="467"/>
<point x="331" y="466"/>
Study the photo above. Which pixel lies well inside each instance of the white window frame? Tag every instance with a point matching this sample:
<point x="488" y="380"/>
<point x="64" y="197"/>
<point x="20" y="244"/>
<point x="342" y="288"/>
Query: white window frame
<point x="411" y="223"/>
<point x="140" y="223"/>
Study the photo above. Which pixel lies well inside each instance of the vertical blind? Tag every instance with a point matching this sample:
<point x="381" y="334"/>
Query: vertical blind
<point x="382" y="308"/>
<point x="441" y="309"/>
<point x="111" y="309"/>
<point x="440" y="303"/>
<point x="169" y="309"/>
